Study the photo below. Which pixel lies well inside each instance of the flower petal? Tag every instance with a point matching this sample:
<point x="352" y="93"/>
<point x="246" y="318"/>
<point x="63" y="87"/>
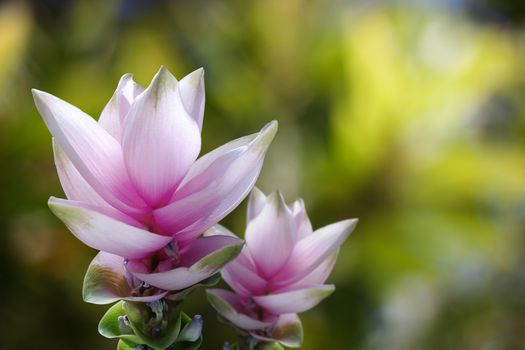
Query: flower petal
<point x="317" y="276"/>
<point x="205" y="246"/>
<point x="107" y="230"/>
<point x="191" y="88"/>
<point x="204" y="258"/>
<point x="215" y="185"/>
<point x="270" y="236"/>
<point x="304" y="227"/>
<point x="294" y="301"/>
<point x="243" y="280"/>
<point x="160" y="140"/>
<point x="228" y="305"/>
<point x="106" y="281"/>
<point x="94" y="152"/>
<point x="113" y="116"/>
<point x="256" y="203"/>
<point x="310" y="251"/>
<point x="74" y="185"/>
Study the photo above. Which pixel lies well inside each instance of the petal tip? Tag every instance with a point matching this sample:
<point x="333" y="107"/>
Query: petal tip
<point x="196" y="78"/>
<point x="351" y="224"/>
<point x="39" y="96"/>
<point x="266" y="136"/>
<point x="276" y="199"/>
<point x="163" y="78"/>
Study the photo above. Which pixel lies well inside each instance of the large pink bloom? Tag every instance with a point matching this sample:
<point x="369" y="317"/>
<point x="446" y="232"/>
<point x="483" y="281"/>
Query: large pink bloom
<point x="136" y="190"/>
<point x="282" y="269"/>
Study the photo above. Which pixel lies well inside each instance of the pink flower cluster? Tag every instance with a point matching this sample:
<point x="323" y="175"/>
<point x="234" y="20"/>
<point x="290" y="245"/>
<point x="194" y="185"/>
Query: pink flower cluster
<point x="139" y="194"/>
<point x="281" y="270"/>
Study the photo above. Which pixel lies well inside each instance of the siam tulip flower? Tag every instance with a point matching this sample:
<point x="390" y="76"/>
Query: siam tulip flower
<point x="280" y="272"/>
<point x="137" y="192"/>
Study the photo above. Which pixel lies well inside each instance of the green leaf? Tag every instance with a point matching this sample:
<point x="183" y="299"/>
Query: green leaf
<point x="157" y="324"/>
<point x="109" y="326"/>
<point x="124" y="346"/>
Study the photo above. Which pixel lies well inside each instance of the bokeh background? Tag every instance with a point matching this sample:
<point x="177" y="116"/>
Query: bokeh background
<point x="407" y="114"/>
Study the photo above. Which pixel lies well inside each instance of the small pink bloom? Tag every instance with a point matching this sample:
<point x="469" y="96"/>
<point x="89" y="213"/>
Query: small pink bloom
<point x="282" y="269"/>
<point x="135" y="187"/>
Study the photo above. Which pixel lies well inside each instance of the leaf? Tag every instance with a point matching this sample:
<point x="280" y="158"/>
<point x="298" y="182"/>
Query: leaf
<point x="124" y="346"/>
<point x="109" y="326"/>
<point x="157" y="324"/>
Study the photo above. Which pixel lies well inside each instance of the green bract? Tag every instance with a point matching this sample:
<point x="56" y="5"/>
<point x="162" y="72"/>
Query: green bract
<point x="158" y="325"/>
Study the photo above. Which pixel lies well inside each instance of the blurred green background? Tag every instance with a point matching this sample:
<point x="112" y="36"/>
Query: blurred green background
<point x="407" y="114"/>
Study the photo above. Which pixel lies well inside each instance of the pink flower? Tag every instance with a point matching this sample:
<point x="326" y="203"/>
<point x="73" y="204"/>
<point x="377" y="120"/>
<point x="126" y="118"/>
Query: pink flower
<point x="281" y="271"/>
<point x="136" y="190"/>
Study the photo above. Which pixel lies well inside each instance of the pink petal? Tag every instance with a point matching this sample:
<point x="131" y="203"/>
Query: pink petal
<point x="74" y="185"/>
<point x="256" y="203"/>
<point x="317" y="276"/>
<point x="243" y="280"/>
<point x="192" y="92"/>
<point x="93" y="151"/>
<point x="204" y="258"/>
<point x="310" y="251"/>
<point x="215" y="185"/>
<point x="106" y="281"/>
<point x="204" y="246"/>
<point x="229" y="306"/>
<point x="270" y="236"/>
<point x="114" y="114"/>
<point x="160" y="140"/>
<point x="106" y="229"/>
<point x="294" y="301"/>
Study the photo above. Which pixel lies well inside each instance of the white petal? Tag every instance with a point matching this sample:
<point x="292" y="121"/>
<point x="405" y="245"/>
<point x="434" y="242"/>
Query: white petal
<point x="192" y="91"/>
<point x="107" y="230"/>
